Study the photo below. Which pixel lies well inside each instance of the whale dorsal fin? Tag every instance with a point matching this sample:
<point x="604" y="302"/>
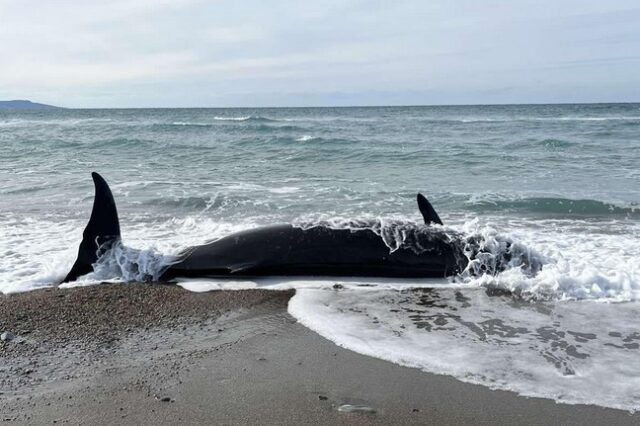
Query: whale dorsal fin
<point x="428" y="213"/>
<point x="103" y="228"/>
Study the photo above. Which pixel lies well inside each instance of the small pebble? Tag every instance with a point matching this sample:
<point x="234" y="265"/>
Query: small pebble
<point x="7" y="336"/>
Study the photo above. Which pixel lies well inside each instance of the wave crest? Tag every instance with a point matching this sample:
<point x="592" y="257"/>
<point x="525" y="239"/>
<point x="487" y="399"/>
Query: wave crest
<point x="552" y="205"/>
<point x="249" y="118"/>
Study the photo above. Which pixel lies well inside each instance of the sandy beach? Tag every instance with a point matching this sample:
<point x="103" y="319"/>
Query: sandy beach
<point x="158" y="354"/>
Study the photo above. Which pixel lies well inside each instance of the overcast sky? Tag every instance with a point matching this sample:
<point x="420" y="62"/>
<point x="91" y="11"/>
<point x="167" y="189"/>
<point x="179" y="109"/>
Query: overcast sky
<point x="160" y="53"/>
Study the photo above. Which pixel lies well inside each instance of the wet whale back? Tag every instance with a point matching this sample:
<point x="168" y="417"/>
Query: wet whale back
<point x="320" y="250"/>
<point x="288" y="250"/>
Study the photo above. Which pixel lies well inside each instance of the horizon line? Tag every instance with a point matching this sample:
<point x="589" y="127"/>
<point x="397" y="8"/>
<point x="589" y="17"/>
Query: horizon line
<point x="365" y="106"/>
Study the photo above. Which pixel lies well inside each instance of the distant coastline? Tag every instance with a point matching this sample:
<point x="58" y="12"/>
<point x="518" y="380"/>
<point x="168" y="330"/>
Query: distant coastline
<point x="25" y="105"/>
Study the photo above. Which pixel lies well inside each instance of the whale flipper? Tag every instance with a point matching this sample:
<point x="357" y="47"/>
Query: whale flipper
<point x="428" y="213"/>
<point x="102" y="230"/>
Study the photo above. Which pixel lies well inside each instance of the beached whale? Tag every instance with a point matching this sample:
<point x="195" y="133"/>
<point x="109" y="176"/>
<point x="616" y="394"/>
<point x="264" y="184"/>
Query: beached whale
<point x="427" y="251"/>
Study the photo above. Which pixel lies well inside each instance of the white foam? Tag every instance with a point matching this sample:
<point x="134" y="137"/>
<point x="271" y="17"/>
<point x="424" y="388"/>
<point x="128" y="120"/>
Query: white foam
<point x="35" y="253"/>
<point x="40" y="252"/>
<point x="289" y="283"/>
<point x="205" y="124"/>
<point x="190" y="123"/>
<point x="392" y="230"/>
<point x="242" y="118"/>
<point x="582" y="260"/>
<point x="572" y="352"/>
<point x="305" y="138"/>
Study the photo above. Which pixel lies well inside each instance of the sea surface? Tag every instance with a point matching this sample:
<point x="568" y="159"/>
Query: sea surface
<point x="563" y="181"/>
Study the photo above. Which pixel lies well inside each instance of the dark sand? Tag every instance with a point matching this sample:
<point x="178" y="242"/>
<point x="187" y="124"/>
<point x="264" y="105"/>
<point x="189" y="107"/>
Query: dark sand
<point x="155" y="354"/>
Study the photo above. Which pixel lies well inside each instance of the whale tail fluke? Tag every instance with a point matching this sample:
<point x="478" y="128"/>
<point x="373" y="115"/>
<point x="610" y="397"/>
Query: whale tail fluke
<point x="428" y="212"/>
<point x="102" y="230"/>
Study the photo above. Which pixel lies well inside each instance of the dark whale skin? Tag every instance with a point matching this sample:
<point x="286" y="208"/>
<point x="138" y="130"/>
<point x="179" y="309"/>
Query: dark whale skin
<point x="426" y="251"/>
<point x="288" y="250"/>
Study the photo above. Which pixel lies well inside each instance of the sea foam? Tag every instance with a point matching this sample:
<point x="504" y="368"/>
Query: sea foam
<point x="572" y="352"/>
<point x="556" y="260"/>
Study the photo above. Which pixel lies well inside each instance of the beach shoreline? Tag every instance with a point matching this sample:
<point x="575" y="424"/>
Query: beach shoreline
<point x="158" y="354"/>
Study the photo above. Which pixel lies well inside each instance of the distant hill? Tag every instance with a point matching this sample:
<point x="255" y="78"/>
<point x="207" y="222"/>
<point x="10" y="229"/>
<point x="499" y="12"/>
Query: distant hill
<point x="24" y="105"/>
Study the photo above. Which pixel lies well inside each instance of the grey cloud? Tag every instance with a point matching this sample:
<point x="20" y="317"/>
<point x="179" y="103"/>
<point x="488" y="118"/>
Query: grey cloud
<point x="199" y="53"/>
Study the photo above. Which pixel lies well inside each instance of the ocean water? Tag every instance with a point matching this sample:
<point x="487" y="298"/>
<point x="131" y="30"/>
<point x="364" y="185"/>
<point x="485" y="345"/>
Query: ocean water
<point x="560" y="180"/>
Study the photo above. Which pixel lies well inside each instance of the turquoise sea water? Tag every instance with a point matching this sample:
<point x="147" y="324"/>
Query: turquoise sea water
<point x="503" y="159"/>
<point x="561" y="180"/>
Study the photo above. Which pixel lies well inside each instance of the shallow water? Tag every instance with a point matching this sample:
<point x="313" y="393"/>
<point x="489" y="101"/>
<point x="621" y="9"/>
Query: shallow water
<point x="561" y="181"/>
<point x="573" y="352"/>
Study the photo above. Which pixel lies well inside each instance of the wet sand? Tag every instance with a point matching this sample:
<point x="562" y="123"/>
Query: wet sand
<point x="157" y="354"/>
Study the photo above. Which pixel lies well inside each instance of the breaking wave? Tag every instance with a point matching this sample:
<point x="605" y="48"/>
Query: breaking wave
<point x="127" y="264"/>
<point x="190" y="124"/>
<point x="221" y="120"/>
<point x="551" y="205"/>
<point x="249" y="118"/>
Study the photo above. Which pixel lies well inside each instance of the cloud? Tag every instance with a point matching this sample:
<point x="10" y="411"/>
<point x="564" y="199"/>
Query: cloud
<point x="200" y="53"/>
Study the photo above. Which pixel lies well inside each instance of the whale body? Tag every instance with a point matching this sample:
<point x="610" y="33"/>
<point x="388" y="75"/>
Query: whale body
<point x="286" y="250"/>
<point x="318" y="251"/>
